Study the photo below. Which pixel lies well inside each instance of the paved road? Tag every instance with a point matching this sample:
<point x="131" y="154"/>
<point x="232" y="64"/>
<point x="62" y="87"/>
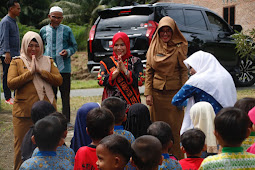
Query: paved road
<point x="99" y="91"/>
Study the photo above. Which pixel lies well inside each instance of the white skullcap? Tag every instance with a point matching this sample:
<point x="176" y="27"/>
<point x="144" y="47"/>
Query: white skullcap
<point x="55" y="9"/>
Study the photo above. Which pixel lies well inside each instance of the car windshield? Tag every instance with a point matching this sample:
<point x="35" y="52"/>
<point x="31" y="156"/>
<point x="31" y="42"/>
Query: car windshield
<point x="123" y="22"/>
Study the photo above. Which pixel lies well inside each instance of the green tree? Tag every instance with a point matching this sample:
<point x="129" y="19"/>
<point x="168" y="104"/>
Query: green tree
<point x="33" y="12"/>
<point x="3" y="8"/>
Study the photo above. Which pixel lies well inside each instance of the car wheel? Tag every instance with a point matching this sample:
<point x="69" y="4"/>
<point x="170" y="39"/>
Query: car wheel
<point x="246" y="77"/>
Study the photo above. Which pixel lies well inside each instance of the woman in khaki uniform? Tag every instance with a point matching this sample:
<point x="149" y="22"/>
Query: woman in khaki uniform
<point x="165" y="75"/>
<point x="32" y="76"/>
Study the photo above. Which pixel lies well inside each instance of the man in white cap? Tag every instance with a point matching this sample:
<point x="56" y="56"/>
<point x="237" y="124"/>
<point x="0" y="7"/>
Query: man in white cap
<point x="60" y="44"/>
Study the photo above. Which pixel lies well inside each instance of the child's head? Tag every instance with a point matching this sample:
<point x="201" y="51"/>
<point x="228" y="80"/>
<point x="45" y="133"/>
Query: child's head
<point x="193" y="142"/>
<point x="163" y="132"/>
<point x="146" y="152"/>
<point x="231" y="126"/>
<point x="41" y="109"/>
<point x="138" y="119"/>
<point x="245" y="104"/>
<point x="47" y="133"/>
<point x="117" y="107"/>
<point x="100" y="123"/>
<point x="113" y="152"/>
<point x="63" y="122"/>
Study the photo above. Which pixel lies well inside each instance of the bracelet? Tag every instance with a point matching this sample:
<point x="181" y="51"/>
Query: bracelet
<point x="126" y="73"/>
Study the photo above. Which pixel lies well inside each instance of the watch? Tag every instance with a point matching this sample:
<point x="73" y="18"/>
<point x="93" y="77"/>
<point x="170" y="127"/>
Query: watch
<point x="126" y="73"/>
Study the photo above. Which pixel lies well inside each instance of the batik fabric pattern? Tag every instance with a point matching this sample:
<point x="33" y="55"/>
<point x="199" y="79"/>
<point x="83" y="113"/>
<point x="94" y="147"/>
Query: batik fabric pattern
<point x="249" y="141"/>
<point x="135" y="69"/>
<point x="231" y="158"/>
<point x="45" y="160"/>
<point x="120" y="131"/>
<point x="63" y="152"/>
<point x="169" y="163"/>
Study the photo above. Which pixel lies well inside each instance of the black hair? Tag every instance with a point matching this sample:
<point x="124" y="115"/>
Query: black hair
<point x="11" y="3"/>
<point x="193" y="141"/>
<point x="232" y="124"/>
<point x="99" y="122"/>
<point x="62" y="119"/>
<point x="117" y="144"/>
<point x="146" y="152"/>
<point x="117" y="106"/>
<point x="47" y="133"/>
<point x="162" y="131"/>
<point x="34" y="39"/>
<point x="40" y="109"/>
<point x="245" y="104"/>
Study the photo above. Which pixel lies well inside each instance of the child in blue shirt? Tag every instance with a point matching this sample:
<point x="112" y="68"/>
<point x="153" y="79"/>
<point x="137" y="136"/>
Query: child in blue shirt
<point x="163" y="132"/>
<point x="63" y="152"/>
<point x="118" y="108"/>
<point x="47" y="136"/>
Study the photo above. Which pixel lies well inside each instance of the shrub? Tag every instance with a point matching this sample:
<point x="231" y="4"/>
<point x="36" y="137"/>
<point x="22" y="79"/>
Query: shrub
<point x="80" y="34"/>
<point x="245" y="43"/>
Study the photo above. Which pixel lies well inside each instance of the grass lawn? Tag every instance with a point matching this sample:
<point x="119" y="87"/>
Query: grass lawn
<point x="84" y="84"/>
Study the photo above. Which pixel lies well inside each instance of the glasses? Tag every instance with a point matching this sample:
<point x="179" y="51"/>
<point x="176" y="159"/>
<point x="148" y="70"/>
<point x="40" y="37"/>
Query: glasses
<point x="165" y="31"/>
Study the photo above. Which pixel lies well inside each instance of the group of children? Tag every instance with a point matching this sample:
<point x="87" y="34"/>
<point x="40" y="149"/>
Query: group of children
<point x="113" y="147"/>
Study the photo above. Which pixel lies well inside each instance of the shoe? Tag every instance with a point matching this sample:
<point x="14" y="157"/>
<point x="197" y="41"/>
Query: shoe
<point x="9" y="101"/>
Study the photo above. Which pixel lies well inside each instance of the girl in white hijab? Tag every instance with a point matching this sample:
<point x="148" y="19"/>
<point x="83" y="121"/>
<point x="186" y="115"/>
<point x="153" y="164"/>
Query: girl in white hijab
<point x="202" y="117"/>
<point x="209" y="82"/>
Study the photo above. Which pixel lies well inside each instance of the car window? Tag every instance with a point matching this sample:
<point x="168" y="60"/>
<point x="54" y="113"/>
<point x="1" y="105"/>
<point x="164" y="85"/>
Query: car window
<point x="217" y="23"/>
<point x="195" y="19"/>
<point x="177" y="15"/>
<point x="123" y="22"/>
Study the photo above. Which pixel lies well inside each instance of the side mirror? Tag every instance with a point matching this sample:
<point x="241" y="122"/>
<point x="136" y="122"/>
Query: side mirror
<point x="238" y="28"/>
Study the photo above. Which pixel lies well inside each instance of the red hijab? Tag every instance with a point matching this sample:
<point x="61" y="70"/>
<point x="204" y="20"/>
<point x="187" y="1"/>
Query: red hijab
<point x="125" y="39"/>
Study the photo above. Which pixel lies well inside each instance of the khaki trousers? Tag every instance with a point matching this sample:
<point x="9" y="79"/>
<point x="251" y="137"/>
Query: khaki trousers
<point x="163" y="110"/>
<point x="20" y="126"/>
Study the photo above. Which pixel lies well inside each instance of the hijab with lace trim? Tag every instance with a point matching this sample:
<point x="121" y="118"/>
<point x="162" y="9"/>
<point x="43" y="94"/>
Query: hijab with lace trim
<point x="42" y="87"/>
<point x="202" y="116"/>
<point x="163" y="56"/>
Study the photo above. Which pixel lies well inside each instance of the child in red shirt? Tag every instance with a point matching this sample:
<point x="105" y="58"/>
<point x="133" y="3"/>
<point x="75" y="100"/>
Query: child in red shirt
<point x="100" y="123"/>
<point x="193" y="144"/>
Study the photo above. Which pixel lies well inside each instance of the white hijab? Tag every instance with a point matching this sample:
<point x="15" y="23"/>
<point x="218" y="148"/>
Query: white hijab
<point x="212" y="78"/>
<point x="202" y="116"/>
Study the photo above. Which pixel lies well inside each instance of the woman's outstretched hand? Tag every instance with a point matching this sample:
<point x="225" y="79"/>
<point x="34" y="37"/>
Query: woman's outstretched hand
<point x="149" y="100"/>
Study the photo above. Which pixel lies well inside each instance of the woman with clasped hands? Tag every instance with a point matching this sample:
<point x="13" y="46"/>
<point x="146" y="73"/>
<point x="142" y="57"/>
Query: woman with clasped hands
<point x="165" y="75"/>
<point x="122" y="73"/>
<point x="32" y="76"/>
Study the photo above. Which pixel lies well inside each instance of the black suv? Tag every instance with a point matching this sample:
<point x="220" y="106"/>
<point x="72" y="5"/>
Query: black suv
<point x="203" y="29"/>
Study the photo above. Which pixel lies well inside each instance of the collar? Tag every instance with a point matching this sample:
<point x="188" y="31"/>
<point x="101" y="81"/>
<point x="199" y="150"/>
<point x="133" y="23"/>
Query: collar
<point x="232" y="149"/>
<point x="13" y="19"/>
<point x="46" y="153"/>
<point x="92" y="146"/>
<point x="193" y="157"/>
<point x="165" y="155"/>
<point x="118" y="127"/>
<point x="54" y="27"/>
<point x="252" y="134"/>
